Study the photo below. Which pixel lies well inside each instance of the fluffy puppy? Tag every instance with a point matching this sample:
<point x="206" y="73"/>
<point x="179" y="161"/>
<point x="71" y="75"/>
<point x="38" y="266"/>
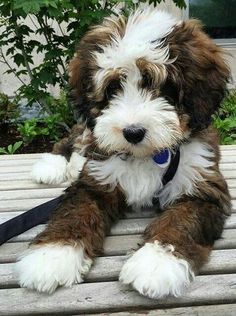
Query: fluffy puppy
<point x="141" y="85"/>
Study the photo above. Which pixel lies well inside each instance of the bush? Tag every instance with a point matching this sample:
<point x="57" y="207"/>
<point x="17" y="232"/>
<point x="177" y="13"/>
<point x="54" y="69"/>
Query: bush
<point x="8" y="109"/>
<point x="19" y="43"/>
<point x="225" y="120"/>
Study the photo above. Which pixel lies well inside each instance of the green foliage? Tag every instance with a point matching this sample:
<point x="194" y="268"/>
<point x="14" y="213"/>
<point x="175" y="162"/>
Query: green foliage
<point x="8" y="109"/>
<point x="19" y="43"/>
<point x="11" y="149"/>
<point x="225" y="120"/>
<point x="49" y="126"/>
<point x="28" y="130"/>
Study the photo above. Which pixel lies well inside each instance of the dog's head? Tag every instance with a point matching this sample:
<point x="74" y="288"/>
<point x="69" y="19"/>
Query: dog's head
<point x="147" y="82"/>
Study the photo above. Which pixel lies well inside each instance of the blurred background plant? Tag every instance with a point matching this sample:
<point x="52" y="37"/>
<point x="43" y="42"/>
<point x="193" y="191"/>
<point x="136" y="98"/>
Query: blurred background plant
<point x="225" y="120"/>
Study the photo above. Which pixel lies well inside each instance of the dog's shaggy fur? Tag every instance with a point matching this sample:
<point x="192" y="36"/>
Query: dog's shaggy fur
<point x="141" y="84"/>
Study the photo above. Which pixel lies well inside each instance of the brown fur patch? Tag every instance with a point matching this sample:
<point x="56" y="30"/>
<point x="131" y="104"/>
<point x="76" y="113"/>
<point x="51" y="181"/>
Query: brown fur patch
<point x="199" y="74"/>
<point x="191" y="226"/>
<point x="84" y="216"/>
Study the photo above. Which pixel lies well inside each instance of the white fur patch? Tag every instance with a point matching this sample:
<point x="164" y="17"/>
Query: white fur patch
<point x="195" y="160"/>
<point x="75" y="166"/>
<point x="139" y="178"/>
<point x="145" y="30"/>
<point x="50" y="169"/>
<point x="44" y="268"/>
<point x="155" y="272"/>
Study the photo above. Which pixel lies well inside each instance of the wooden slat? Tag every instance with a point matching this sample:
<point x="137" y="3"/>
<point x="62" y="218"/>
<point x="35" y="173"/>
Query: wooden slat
<point x="21" y="205"/>
<point x="15" y="176"/>
<point x="30" y="194"/>
<point x="227" y="166"/>
<point x="113" y="245"/>
<point x="29" y="184"/>
<point x="113" y="296"/>
<point x="228" y="147"/>
<point x="20" y="157"/>
<point x="15" y="169"/>
<point x="108" y="268"/>
<point x="210" y="310"/>
<point x="228" y="158"/>
<point x="18" y="162"/>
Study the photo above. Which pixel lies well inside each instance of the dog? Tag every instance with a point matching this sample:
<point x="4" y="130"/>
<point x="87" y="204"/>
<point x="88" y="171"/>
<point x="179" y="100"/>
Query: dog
<point x="145" y="87"/>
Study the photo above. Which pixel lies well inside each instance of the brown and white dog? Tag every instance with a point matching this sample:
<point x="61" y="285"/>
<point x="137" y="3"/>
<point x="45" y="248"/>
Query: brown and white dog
<point x="141" y="84"/>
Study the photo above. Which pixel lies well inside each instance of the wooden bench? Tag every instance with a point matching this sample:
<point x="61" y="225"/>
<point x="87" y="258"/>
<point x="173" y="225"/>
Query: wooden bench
<point x="212" y="293"/>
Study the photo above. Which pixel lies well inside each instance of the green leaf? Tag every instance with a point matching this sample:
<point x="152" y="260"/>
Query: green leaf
<point x="17" y="145"/>
<point x="18" y="59"/>
<point x="3" y="150"/>
<point x="10" y="148"/>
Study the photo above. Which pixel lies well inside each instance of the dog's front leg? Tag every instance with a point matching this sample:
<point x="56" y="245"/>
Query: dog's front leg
<point x="175" y="246"/>
<point x="63" y="252"/>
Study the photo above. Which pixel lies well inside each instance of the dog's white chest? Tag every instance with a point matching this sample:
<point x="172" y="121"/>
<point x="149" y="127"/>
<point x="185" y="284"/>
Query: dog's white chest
<point x="140" y="179"/>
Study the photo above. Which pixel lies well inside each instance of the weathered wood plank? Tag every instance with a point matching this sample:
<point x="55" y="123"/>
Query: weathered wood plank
<point x="20" y="156"/>
<point x="29" y="184"/>
<point x="18" y="162"/>
<point x="228" y="147"/>
<point x="113" y="296"/>
<point x="21" y="205"/>
<point x="15" y="176"/>
<point x="15" y="169"/>
<point x="122" y="227"/>
<point x="108" y="268"/>
<point x="31" y="194"/>
<point x="211" y="310"/>
<point x="113" y="245"/>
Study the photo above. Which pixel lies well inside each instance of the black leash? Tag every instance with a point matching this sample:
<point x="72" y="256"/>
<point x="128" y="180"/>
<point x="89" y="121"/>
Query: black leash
<point x="19" y="224"/>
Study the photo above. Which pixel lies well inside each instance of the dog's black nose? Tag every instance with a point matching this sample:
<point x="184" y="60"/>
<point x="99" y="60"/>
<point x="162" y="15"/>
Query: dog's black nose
<point x="134" y="134"/>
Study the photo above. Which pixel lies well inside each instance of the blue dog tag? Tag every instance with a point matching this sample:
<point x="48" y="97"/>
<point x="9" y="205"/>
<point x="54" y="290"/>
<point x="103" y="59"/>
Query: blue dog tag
<point x="162" y="158"/>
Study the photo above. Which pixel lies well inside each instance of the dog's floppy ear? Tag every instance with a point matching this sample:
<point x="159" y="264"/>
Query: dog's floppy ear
<point x="199" y="72"/>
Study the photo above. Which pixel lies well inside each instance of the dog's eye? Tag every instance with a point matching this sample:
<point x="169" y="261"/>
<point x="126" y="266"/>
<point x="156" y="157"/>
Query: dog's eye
<point x="146" y="80"/>
<point x="113" y="87"/>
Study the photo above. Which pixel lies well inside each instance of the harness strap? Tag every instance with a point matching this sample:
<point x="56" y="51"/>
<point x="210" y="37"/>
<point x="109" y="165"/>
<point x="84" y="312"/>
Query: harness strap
<point x="173" y="166"/>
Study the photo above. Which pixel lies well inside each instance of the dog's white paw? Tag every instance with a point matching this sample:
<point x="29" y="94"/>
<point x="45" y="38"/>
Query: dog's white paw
<point x="50" y="169"/>
<point x="155" y="272"/>
<point x="75" y="166"/>
<point x="44" y="268"/>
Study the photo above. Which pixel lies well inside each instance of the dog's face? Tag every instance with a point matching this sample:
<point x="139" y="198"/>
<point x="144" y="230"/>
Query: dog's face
<point x="146" y="82"/>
